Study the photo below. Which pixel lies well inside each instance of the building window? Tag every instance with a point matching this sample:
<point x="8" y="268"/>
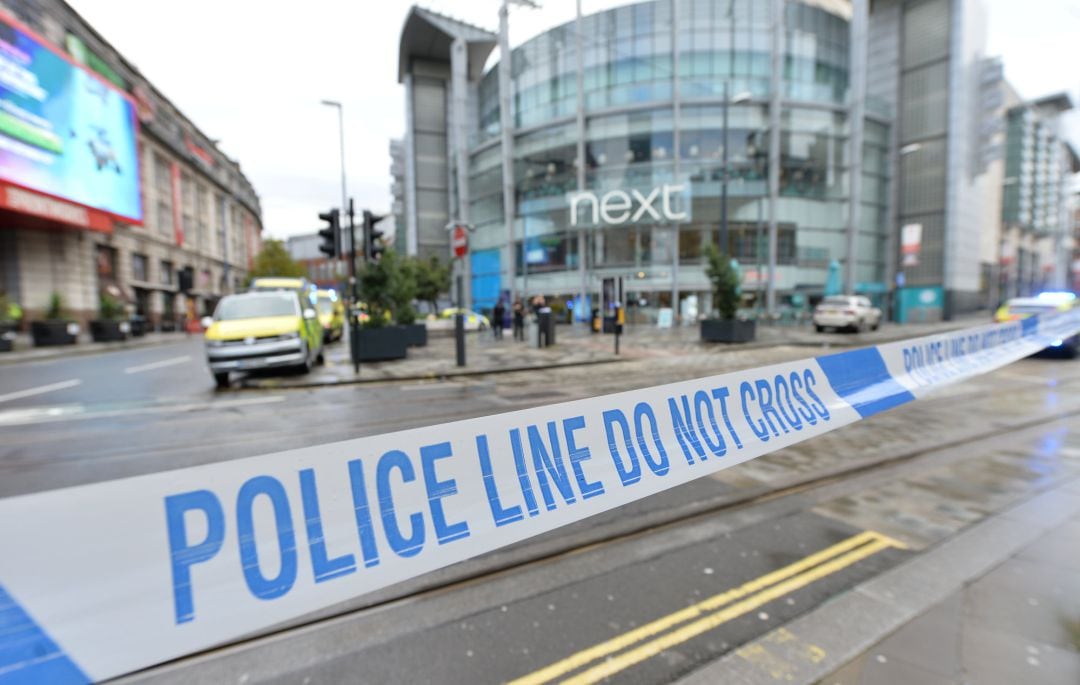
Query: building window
<point x="166" y="274"/>
<point x="200" y="218"/>
<point x="222" y="234"/>
<point x="187" y="205"/>
<point x="163" y="190"/>
<point x="138" y="267"/>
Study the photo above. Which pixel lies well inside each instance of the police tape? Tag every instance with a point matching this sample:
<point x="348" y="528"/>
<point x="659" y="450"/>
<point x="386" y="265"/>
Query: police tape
<point x="105" y="579"/>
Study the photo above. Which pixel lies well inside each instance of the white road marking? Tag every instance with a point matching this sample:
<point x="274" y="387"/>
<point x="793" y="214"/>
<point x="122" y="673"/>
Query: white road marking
<point x="30" y="392"/>
<point x="74" y="412"/>
<point x="158" y="365"/>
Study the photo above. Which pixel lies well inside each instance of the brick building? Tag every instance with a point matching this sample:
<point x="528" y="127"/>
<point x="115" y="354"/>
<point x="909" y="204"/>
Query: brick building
<point x="165" y="219"/>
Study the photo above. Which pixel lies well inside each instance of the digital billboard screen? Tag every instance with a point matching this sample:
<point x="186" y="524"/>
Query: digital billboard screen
<point x="64" y="131"/>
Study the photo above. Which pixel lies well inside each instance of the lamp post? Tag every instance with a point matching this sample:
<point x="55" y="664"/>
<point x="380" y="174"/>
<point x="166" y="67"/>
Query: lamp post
<point x="506" y="126"/>
<point x="341" y="142"/>
<point x="741" y="97"/>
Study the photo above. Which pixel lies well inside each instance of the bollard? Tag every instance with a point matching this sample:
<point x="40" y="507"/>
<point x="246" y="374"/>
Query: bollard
<point x="459" y="337"/>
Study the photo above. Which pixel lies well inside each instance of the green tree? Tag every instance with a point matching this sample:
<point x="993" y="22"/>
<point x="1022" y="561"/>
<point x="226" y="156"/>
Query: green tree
<point x="387" y="287"/>
<point x="274" y="260"/>
<point x="432" y="280"/>
<point x="725" y="282"/>
<point x="402" y="287"/>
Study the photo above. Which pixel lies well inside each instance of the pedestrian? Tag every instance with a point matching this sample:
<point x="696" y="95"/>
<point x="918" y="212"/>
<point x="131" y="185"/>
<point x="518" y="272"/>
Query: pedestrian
<point x="191" y="320"/>
<point x="519" y="320"/>
<point x="497" y="316"/>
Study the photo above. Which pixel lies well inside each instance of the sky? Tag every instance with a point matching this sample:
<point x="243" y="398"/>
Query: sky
<point x="252" y="75"/>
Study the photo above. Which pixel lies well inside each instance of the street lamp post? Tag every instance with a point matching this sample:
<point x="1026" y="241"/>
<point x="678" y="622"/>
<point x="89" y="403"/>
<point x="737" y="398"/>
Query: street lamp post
<point x="506" y="125"/>
<point x="341" y="142"/>
<point x="726" y="172"/>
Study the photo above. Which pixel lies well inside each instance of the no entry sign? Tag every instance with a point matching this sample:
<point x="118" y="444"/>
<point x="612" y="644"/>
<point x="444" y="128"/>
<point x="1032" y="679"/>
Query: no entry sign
<point x="459" y="240"/>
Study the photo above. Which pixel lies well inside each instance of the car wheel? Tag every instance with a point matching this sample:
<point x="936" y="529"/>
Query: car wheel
<point x="221" y="380"/>
<point x="819" y="329"/>
<point x="321" y="359"/>
<point x="876" y="325"/>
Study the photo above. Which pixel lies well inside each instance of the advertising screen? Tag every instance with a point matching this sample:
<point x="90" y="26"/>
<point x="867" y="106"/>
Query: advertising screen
<point x="63" y="131"/>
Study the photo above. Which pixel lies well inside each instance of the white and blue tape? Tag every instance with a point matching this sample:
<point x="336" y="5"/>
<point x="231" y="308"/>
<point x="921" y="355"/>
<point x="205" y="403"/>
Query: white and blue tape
<point x="104" y="579"/>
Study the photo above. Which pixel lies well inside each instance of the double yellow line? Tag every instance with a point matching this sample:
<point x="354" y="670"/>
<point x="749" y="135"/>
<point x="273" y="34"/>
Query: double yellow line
<point x="710" y="613"/>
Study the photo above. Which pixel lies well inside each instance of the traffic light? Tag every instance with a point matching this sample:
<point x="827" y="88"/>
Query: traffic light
<point x="373" y="242"/>
<point x="330" y="237"/>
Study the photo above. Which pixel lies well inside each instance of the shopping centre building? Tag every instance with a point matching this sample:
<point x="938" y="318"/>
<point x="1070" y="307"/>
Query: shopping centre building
<point x="845" y="121"/>
<point x="105" y="186"/>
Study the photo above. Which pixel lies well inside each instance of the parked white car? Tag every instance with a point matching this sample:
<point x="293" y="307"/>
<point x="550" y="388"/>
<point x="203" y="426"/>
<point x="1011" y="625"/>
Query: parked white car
<point x="852" y="312"/>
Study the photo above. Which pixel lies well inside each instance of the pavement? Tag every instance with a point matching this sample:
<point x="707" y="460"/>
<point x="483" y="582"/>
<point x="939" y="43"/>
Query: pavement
<point x="576" y="346"/>
<point x="997" y="604"/>
<point x="26" y="352"/>
<point x="1018" y="623"/>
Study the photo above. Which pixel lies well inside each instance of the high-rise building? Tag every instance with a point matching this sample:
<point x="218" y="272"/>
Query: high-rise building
<point x="801" y="137"/>
<point x="1035" y="216"/>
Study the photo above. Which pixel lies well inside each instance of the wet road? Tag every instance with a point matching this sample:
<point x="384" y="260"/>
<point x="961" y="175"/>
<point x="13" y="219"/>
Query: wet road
<point x="651" y="604"/>
<point x="642" y="594"/>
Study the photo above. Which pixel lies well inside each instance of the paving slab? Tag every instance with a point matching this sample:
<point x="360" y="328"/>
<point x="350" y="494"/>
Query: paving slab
<point x="943" y="615"/>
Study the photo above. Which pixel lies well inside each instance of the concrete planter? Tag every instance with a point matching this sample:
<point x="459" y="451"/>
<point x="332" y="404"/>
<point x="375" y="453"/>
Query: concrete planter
<point x="105" y="330"/>
<point x="7" y="336"/>
<point x="48" y="333"/>
<point x="138" y="326"/>
<point x="381" y="344"/>
<point x="722" y="330"/>
<point x="416" y="334"/>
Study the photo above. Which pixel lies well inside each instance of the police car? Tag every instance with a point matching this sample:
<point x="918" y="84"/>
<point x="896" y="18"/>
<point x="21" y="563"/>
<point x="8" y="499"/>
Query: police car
<point x="1043" y="303"/>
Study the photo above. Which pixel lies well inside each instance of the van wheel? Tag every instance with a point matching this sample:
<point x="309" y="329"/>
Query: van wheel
<point x="819" y="329"/>
<point x="321" y="359"/>
<point x="221" y="379"/>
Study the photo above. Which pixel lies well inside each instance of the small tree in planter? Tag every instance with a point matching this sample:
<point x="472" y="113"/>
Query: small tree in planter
<point x="110" y="325"/>
<point x="381" y="288"/>
<point x="57" y="328"/>
<point x="725" y="295"/>
<point x="403" y="293"/>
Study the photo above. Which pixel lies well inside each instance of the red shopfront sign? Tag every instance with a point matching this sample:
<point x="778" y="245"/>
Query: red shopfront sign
<point x="44" y="206"/>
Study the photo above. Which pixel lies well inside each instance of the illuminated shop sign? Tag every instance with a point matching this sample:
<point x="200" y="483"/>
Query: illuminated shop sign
<point x="664" y="204"/>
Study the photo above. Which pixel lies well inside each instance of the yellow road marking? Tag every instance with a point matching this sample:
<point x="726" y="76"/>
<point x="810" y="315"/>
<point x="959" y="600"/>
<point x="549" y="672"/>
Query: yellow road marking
<point x="687" y="632"/>
<point x="648" y="630"/>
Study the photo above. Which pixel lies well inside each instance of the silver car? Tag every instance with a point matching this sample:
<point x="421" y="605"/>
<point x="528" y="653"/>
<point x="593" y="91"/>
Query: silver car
<point x="849" y="312"/>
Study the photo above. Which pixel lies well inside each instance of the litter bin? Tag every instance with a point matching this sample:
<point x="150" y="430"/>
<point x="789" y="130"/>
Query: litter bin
<point x="545" y="328"/>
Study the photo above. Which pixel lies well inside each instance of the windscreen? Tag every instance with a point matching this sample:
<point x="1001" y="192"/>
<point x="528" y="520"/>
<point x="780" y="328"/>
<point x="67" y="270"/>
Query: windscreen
<point x="252" y="306"/>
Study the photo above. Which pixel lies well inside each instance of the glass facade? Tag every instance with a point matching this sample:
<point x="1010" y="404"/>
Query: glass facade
<point x="629" y="74"/>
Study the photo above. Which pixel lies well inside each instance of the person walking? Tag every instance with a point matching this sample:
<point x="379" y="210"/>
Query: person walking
<point x="497" y="315"/>
<point x="519" y="320"/>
